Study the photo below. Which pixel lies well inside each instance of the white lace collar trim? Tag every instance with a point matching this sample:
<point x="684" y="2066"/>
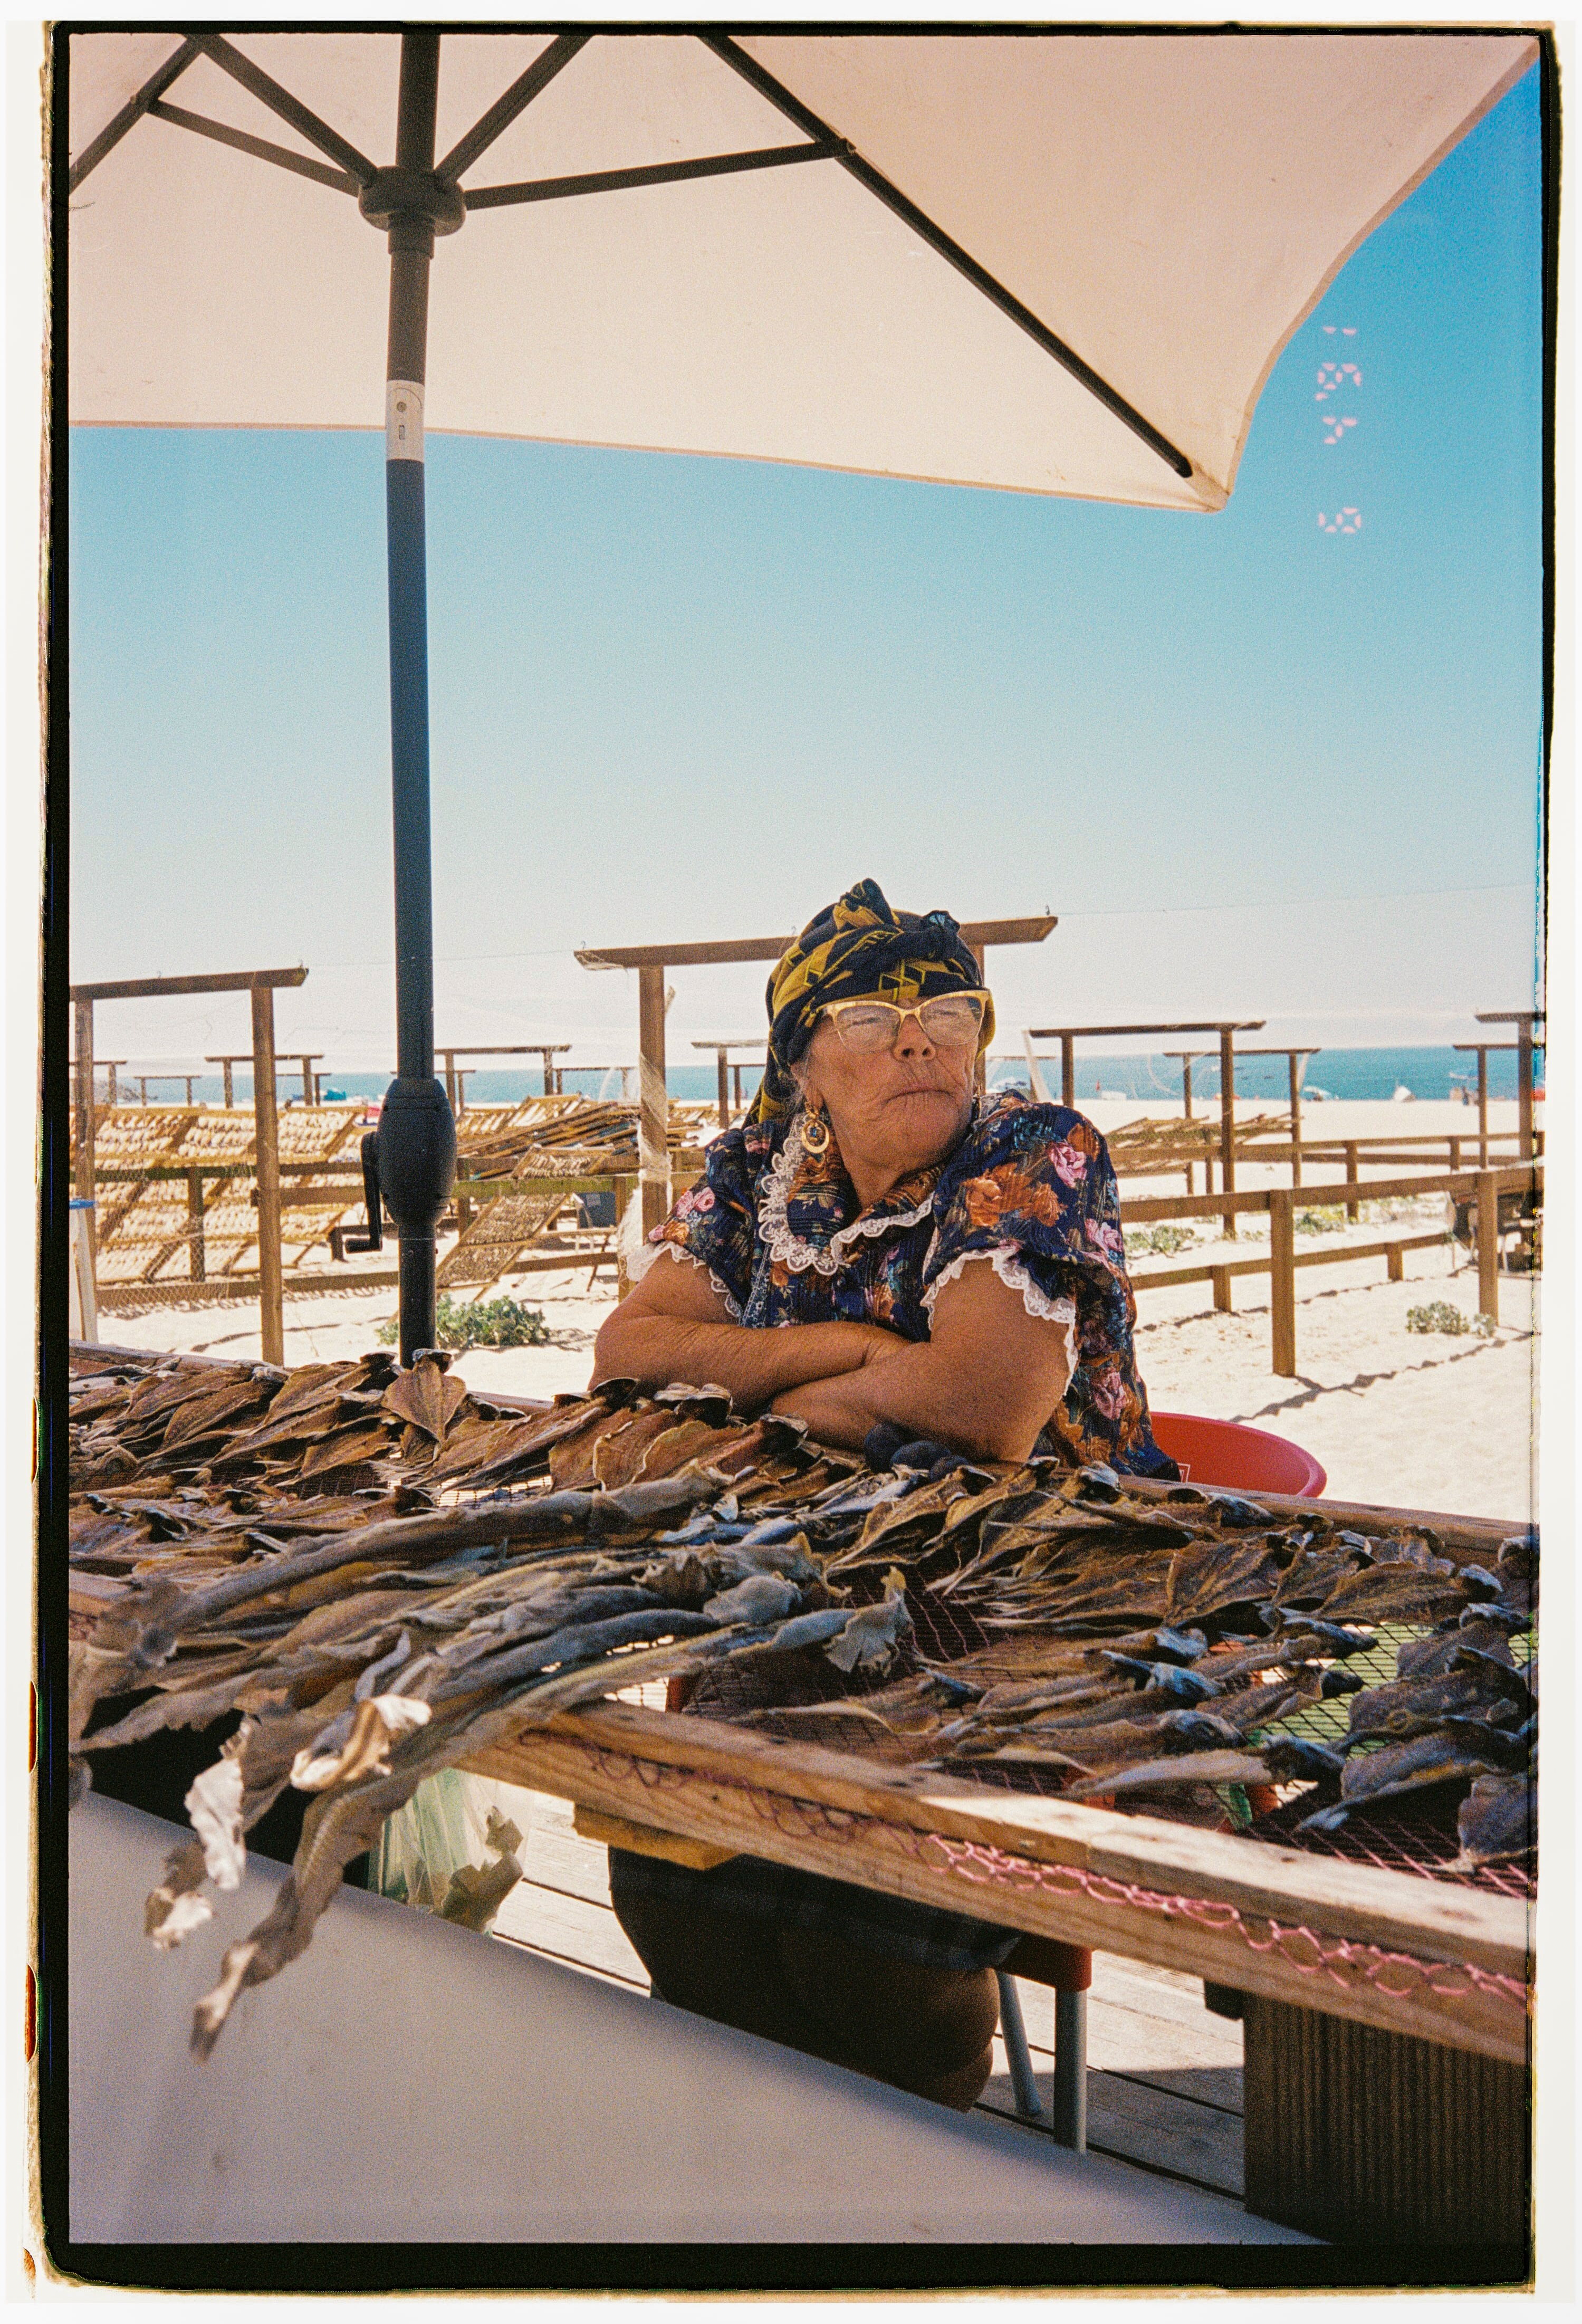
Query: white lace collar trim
<point x="1006" y="1259"/>
<point x="775" y="1231"/>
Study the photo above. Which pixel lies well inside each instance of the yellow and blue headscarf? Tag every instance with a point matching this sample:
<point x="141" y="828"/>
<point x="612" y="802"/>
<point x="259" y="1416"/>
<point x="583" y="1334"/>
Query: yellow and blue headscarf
<point x="855" y="948"/>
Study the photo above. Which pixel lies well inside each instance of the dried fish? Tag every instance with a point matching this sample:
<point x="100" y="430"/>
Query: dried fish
<point x="1395" y="1593"/>
<point x="1496" y="1822"/>
<point x="1480" y="1688"/>
<point x="1414" y="1764"/>
<point x="1226" y="1766"/>
<point x="1101" y="1632"/>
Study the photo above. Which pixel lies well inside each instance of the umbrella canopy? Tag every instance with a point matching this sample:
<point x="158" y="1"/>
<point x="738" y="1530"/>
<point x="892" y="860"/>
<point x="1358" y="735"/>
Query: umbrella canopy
<point x="1049" y="261"/>
<point x="1167" y="208"/>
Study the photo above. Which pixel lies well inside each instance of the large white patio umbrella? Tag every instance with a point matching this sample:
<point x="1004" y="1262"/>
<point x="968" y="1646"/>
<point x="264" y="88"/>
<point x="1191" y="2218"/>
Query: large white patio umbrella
<point x="1049" y="261"/>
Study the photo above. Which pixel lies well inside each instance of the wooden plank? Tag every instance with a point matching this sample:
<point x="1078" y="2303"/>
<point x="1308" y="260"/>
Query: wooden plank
<point x="220" y="1290"/>
<point x="1227" y="1123"/>
<point x="271" y="1319"/>
<point x="585" y="1936"/>
<point x="1283" y="1282"/>
<point x="1202" y="2145"/>
<point x="1488" y="1243"/>
<point x="975" y="933"/>
<point x="642" y="1840"/>
<point x="1167" y="2133"/>
<point x="894" y="1831"/>
<point x="653" y="1118"/>
<point x="1209" y="1270"/>
<point x="1089" y="1032"/>
<point x="149" y="988"/>
<point x="1515" y="1179"/>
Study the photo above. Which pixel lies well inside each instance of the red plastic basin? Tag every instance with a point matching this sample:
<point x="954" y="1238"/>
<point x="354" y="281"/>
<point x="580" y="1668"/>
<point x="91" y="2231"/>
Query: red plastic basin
<point x="1246" y="1460"/>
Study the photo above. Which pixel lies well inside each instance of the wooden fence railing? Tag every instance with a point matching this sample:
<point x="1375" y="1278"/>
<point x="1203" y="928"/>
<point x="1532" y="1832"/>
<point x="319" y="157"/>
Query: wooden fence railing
<point x="1479" y="1188"/>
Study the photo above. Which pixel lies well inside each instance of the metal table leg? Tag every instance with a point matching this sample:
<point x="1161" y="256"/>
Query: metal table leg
<point x="1070" y="2070"/>
<point x="1023" y="2080"/>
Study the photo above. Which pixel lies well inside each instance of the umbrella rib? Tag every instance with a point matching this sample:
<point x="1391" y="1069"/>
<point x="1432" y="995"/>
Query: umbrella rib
<point x="938" y="240"/>
<point x="132" y="112"/>
<point x="259" y="147"/>
<point x="258" y="84"/>
<point x="505" y="109"/>
<point x="653" y="173"/>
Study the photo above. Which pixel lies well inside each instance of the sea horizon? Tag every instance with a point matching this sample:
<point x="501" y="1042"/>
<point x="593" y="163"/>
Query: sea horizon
<point x="1430" y="1073"/>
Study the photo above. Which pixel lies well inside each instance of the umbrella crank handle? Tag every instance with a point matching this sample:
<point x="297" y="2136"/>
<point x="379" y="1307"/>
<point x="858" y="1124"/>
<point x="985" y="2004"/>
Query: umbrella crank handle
<point x="374" y="1238"/>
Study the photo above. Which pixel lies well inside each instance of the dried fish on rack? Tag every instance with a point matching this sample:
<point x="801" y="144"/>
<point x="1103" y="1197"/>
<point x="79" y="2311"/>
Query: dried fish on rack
<point x="378" y="1572"/>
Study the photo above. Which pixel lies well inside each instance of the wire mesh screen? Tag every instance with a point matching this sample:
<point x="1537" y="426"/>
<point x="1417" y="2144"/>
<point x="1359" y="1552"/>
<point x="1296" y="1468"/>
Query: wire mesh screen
<point x="802" y="1698"/>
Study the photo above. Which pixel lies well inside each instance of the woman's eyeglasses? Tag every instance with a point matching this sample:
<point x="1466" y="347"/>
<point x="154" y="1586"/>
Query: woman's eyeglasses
<point x="950" y="1020"/>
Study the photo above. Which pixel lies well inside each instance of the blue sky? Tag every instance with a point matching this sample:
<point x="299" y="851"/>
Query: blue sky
<point x="683" y="699"/>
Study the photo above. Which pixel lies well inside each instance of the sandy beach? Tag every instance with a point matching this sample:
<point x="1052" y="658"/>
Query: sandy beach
<point x="1397" y="1417"/>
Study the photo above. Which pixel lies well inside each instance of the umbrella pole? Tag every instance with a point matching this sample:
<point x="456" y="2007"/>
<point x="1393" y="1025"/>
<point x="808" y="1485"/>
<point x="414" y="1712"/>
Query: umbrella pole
<point x="417" y="1131"/>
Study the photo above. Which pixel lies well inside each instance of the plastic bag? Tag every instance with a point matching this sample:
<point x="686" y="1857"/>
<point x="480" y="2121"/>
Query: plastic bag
<point x="451" y="1849"/>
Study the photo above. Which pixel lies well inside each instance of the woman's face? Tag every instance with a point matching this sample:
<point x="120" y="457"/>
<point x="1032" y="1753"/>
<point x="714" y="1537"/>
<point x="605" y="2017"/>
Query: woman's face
<point x="900" y="1110"/>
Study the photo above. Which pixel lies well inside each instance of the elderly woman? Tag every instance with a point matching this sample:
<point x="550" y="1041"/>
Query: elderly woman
<point x="826" y="1267"/>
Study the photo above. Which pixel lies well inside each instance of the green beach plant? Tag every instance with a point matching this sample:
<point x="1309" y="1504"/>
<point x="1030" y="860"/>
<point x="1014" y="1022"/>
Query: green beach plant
<point x="479" y="1324"/>
<point x="1439" y="1315"/>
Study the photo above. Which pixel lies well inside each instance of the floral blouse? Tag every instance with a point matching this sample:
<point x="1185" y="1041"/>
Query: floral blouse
<point x="1031" y="1189"/>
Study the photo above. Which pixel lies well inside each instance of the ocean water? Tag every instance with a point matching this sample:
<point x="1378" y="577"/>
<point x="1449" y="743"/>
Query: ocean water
<point x="1432" y="1072"/>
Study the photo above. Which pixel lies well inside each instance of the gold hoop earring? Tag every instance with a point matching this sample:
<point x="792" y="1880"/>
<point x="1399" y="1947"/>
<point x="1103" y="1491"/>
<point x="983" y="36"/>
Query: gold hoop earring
<point x="815" y="1132"/>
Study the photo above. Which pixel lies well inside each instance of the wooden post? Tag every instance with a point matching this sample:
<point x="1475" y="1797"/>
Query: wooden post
<point x="1488" y="1243"/>
<point x="266" y="1142"/>
<point x="548" y="1055"/>
<point x="1186" y="1085"/>
<point x="724" y="1091"/>
<point x="1455" y="1153"/>
<point x="194" y="1254"/>
<point x="1067" y="1070"/>
<point x="1353" y="1163"/>
<point x="736" y="1085"/>
<point x="1283" y="1279"/>
<point x="653" y="1100"/>
<point x="230" y="1089"/>
<point x="1227" y="1123"/>
<point x="449" y="1057"/>
<point x="1295" y="1117"/>
<point x="1524" y="1089"/>
<point x="980" y="1071"/>
<point x="1483" y="1109"/>
<point x="83" y="1174"/>
<point x="1222" y="1281"/>
<point x="1395" y="1260"/>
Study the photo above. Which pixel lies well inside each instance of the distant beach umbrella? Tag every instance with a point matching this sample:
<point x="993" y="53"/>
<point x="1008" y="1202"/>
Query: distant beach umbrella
<point x="1048" y="262"/>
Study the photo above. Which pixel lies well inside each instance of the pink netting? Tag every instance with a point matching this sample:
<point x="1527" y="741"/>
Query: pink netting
<point x="1345" y="1963"/>
<point x="1314" y="1955"/>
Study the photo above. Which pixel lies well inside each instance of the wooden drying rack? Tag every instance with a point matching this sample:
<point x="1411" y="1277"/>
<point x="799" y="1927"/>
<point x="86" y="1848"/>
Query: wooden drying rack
<point x="1397" y="1951"/>
<point x="1432" y="1959"/>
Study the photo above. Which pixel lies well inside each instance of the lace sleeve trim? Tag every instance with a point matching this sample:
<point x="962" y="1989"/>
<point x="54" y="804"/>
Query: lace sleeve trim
<point x="774" y="1228"/>
<point x="1003" y="1257"/>
<point x="643" y="1258"/>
